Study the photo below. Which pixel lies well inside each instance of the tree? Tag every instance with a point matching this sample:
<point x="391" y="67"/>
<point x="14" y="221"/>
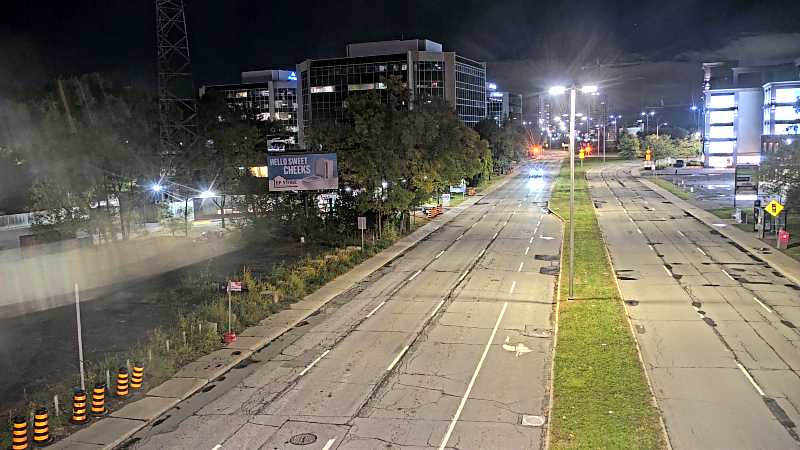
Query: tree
<point x="688" y="147"/>
<point x="229" y="143"/>
<point x="780" y="169"/>
<point x="629" y="146"/>
<point x="660" y="146"/>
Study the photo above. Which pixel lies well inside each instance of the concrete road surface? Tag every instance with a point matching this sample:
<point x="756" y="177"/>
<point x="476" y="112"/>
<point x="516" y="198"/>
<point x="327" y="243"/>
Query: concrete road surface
<point x="717" y="328"/>
<point x="712" y="188"/>
<point x="448" y="347"/>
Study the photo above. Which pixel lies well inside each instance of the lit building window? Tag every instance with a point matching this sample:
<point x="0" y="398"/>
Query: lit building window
<point x="787" y="95"/>
<point x="724" y="132"/>
<point x="786" y="113"/>
<point x="720" y="116"/>
<point x="720" y="147"/>
<point x="722" y="101"/>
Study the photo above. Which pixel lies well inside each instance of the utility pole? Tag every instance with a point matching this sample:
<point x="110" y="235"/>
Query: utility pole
<point x="177" y="110"/>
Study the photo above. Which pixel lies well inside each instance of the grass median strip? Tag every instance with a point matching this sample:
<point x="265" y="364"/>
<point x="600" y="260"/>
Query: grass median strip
<point x="600" y="394"/>
<point x="666" y="184"/>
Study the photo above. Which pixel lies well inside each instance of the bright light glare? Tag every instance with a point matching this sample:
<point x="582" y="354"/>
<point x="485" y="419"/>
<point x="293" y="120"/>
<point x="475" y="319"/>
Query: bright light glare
<point x="384" y="184"/>
<point x="207" y="194"/>
<point x="589" y="89"/>
<point x="156" y="187"/>
<point x="557" y="90"/>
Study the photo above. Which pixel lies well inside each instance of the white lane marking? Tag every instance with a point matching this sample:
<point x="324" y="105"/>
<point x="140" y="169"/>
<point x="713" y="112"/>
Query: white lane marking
<point x="667" y="270"/>
<point x="472" y="381"/>
<point x="546" y="238"/>
<point x="415" y="275"/>
<point x="495" y="235"/>
<point x="750" y="379"/>
<point x="527" y="249"/>
<point x="513" y="285"/>
<point x="638" y="230"/>
<point x="329" y="444"/>
<point x="520" y="266"/>
<point x="435" y="310"/>
<point x="681" y="233"/>
<point x="531" y="240"/>
<point x="439" y="254"/>
<point x="701" y="251"/>
<point x="460" y="236"/>
<point x="397" y="358"/>
<point x="217" y="447"/>
<point x="463" y="275"/>
<point x="376" y="309"/>
<point x="762" y="304"/>
<point x="651" y="247"/>
<point x="308" y="367"/>
<point x="481" y="253"/>
<point x="729" y="275"/>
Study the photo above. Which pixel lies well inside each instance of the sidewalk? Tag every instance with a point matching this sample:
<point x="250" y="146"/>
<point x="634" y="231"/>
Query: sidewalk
<point x="787" y="266"/>
<point x="114" y="430"/>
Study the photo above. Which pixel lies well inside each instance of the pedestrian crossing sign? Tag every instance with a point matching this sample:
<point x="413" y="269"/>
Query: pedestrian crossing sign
<point x="774" y="208"/>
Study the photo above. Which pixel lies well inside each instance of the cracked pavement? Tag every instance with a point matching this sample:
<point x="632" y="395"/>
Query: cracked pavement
<point x="716" y="326"/>
<point x="413" y="357"/>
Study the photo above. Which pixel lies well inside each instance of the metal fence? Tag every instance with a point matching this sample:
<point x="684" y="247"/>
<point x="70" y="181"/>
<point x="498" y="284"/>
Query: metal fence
<point x="16" y="220"/>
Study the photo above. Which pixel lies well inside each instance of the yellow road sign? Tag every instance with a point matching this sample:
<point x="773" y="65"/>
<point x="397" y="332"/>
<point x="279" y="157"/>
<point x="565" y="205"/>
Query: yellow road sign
<point x="581" y="155"/>
<point x="774" y="208"/>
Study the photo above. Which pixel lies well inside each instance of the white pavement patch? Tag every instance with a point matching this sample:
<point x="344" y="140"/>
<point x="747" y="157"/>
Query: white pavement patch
<point x="446" y="437"/>
<point x="376" y="309"/>
<point x="415" y="275"/>
<point x="397" y="358"/>
<point x="308" y="367"/>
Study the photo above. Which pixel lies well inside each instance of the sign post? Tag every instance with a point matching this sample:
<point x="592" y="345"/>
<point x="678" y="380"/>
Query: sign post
<point x="233" y="286"/>
<point x="80" y="336"/>
<point x="581" y="155"/>
<point x="362" y="225"/>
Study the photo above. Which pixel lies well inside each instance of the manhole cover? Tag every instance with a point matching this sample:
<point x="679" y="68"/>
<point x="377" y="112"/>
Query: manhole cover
<point x="303" y="439"/>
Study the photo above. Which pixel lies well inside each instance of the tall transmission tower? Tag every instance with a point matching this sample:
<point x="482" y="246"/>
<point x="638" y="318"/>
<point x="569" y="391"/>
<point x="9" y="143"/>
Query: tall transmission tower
<point x="177" y="109"/>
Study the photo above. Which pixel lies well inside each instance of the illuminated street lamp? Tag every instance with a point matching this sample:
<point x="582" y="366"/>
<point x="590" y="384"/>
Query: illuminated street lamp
<point x="558" y="90"/>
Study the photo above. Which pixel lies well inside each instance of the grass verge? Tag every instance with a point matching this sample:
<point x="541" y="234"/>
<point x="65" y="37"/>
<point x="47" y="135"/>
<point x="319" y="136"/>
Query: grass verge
<point x="196" y="333"/>
<point x="601" y="398"/>
<point x="666" y="184"/>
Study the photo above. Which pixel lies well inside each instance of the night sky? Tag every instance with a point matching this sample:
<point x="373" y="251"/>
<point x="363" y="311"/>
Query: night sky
<point x="527" y="43"/>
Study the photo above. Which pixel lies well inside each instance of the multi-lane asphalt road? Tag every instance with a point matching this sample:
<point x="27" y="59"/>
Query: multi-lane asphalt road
<point x="449" y="346"/>
<point x="716" y="326"/>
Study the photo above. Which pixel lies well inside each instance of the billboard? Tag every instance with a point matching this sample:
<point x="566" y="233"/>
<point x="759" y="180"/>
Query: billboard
<point x="303" y="172"/>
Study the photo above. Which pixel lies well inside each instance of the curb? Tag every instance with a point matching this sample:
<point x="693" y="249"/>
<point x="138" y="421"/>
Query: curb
<point x="198" y="374"/>
<point x="775" y="259"/>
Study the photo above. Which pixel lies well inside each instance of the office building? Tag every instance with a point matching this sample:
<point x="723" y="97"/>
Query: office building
<point x="747" y="110"/>
<point x="502" y="106"/>
<point x="420" y="64"/>
<point x="269" y="94"/>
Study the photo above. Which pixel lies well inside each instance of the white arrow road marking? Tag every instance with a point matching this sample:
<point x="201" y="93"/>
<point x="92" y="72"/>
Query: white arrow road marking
<point x="518" y="349"/>
<point x="308" y="367"/>
<point x="472" y="381"/>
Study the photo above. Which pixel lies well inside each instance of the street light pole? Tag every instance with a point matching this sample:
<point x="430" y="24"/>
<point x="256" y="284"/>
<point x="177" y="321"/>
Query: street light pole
<point x="572" y="193"/>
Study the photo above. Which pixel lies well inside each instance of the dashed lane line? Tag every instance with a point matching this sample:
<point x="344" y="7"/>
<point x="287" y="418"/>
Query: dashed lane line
<point x="314" y="362"/>
<point x="449" y="432"/>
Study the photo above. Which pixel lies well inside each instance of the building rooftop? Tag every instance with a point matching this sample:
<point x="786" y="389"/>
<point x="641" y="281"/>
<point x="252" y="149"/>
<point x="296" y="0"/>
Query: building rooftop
<point x="389" y="47"/>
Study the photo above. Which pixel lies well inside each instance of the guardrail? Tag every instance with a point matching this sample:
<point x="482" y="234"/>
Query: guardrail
<point x="16" y="220"/>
